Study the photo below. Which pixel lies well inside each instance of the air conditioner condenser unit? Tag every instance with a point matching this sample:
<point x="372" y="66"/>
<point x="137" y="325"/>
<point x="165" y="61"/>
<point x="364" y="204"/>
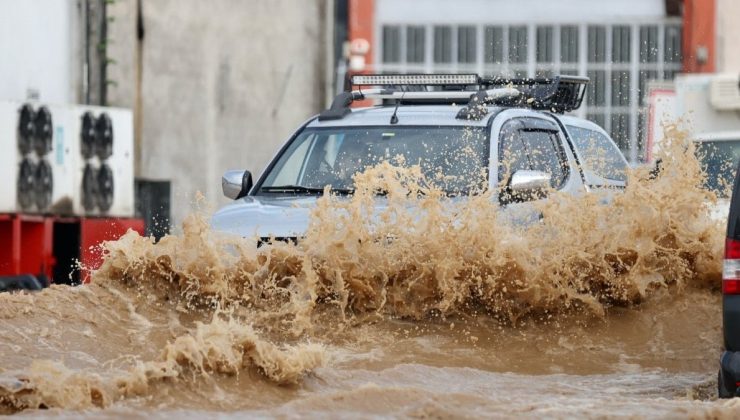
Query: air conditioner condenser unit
<point x="35" y="159"/>
<point x="105" y="170"/>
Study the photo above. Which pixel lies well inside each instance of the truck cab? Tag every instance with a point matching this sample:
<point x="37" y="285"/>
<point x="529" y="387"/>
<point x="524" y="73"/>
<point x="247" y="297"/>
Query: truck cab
<point x="465" y="132"/>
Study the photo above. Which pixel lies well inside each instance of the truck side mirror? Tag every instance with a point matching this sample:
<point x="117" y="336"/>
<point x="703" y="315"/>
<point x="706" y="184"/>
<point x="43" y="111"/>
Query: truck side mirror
<point x="236" y="183"/>
<point x="527" y="185"/>
<point x="526" y="181"/>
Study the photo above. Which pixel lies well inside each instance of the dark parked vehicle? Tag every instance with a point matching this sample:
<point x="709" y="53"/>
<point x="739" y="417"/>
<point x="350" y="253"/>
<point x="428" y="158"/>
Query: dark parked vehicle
<point x="729" y="372"/>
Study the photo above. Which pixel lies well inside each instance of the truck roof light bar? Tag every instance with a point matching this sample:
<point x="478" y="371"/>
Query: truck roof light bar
<point x="558" y="94"/>
<point x="415" y="79"/>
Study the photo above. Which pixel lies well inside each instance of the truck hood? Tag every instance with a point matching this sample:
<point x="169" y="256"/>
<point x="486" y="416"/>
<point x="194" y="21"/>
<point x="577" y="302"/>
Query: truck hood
<point x="288" y="216"/>
<point x="279" y="216"/>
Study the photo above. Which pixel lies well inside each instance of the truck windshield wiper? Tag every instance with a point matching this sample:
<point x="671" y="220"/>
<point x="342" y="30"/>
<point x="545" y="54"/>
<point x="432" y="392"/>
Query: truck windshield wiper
<point x="302" y="189"/>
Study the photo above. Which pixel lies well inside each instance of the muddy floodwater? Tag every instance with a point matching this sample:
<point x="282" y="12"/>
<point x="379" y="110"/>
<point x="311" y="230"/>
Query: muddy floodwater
<point x="660" y="359"/>
<point x="424" y="307"/>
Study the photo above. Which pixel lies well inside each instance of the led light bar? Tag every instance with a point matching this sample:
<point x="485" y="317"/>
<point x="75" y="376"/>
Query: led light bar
<point x="414" y="79"/>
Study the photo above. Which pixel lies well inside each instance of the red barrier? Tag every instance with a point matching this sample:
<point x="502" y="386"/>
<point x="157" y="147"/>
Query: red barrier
<point x="94" y="232"/>
<point x="26" y="245"/>
<point x="50" y="245"/>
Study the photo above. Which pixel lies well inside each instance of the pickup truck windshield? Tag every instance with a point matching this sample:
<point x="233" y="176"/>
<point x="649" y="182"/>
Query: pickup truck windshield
<point x="455" y="158"/>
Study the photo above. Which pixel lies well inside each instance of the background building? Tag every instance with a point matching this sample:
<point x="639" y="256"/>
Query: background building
<point x="619" y="45"/>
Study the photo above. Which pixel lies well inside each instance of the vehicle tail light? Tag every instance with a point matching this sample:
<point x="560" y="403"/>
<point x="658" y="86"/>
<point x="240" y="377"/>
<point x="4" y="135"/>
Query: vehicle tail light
<point x="731" y="268"/>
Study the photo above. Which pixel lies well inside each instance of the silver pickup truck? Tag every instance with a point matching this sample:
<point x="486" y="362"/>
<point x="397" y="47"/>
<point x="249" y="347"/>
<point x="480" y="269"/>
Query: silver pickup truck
<point x="510" y="135"/>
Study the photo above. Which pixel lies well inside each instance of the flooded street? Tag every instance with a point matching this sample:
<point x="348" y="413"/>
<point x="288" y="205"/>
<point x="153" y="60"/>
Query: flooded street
<point x="655" y="360"/>
<point x="434" y="308"/>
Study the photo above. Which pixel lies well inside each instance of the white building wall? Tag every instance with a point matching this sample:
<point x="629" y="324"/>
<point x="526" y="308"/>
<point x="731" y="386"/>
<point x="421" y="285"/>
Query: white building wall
<point x="39" y="50"/>
<point x="521" y="11"/>
<point x="728" y="36"/>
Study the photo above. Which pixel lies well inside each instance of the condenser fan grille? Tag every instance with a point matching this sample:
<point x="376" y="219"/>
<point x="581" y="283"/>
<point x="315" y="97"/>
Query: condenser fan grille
<point x="43" y="127"/>
<point x="87" y="135"/>
<point x="104" y="136"/>
<point x="26" y="174"/>
<point x="26" y="126"/>
<point x="43" y="185"/>
<point x="105" y="187"/>
<point x="89" y="188"/>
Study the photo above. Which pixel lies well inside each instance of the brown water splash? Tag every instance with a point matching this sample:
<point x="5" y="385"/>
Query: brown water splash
<point x="424" y="254"/>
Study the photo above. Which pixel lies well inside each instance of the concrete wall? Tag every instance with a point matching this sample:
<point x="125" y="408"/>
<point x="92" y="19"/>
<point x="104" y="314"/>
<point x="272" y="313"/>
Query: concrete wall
<point x="728" y="36"/>
<point x="223" y="84"/>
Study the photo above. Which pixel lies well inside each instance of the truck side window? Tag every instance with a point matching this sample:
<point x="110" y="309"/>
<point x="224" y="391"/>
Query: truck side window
<point x="513" y="155"/>
<point x="546" y="154"/>
<point x="531" y="149"/>
<point x="599" y="155"/>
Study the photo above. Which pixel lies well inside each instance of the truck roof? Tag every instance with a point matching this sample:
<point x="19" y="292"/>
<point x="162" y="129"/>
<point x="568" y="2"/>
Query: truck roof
<point x="434" y="115"/>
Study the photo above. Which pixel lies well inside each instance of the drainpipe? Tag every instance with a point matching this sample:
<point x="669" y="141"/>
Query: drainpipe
<point x="103" y="53"/>
<point x="138" y="88"/>
<point x="86" y="61"/>
<point x="329" y="63"/>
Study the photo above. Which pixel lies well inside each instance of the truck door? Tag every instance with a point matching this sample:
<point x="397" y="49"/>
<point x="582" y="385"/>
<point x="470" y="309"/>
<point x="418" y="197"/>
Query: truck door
<point x="532" y="144"/>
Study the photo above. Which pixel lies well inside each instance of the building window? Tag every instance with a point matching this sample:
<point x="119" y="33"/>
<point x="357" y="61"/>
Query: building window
<point x="442" y="44"/>
<point x="494" y="44"/>
<point x="544" y="51"/>
<point x="648" y="44"/>
<point x="415" y="44"/>
<point x="620" y="128"/>
<point x="518" y="44"/>
<point x="621" y="44"/>
<point x="645" y="77"/>
<point x="672" y="51"/>
<point x="673" y="44"/>
<point x="596" y="44"/>
<point x="568" y="44"/>
<point x="544" y="44"/>
<point x="596" y="89"/>
<point x="391" y="44"/>
<point x="466" y="51"/>
<point x="620" y="88"/>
